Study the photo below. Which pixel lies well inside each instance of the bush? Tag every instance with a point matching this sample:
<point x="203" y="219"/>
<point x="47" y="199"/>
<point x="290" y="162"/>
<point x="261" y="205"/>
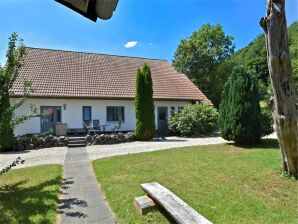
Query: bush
<point x="240" y="109"/>
<point x="266" y="121"/>
<point x="194" y="120"/>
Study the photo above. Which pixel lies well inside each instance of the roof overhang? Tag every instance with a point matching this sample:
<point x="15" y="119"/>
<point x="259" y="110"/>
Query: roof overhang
<point x="92" y="9"/>
<point x="102" y="98"/>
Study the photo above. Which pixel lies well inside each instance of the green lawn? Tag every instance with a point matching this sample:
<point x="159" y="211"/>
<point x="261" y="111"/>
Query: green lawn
<point x="30" y="195"/>
<point x="225" y="183"/>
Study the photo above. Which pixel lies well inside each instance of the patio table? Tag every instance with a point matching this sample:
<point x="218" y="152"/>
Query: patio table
<point x="104" y="127"/>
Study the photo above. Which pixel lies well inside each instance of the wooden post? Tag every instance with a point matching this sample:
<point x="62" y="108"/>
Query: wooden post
<point x="144" y="204"/>
<point x="280" y="70"/>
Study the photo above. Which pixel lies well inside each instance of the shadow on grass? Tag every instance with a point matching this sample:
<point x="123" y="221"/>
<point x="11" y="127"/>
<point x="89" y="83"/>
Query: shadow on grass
<point x="166" y="215"/>
<point x="19" y="203"/>
<point x="268" y="143"/>
<point x="168" y="140"/>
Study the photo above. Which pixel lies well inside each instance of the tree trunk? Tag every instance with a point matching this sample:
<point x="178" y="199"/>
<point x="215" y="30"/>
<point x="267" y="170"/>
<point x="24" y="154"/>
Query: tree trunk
<point x="279" y="65"/>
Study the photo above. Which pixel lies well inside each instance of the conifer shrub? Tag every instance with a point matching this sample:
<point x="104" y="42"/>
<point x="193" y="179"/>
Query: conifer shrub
<point x="266" y="121"/>
<point x="144" y="105"/>
<point x="149" y="104"/>
<point x="239" y="111"/>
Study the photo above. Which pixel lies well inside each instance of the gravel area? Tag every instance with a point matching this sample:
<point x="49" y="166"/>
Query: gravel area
<point x="55" y="155"/>
<point x="273" y="135"/>
<point x="102" y="151"/>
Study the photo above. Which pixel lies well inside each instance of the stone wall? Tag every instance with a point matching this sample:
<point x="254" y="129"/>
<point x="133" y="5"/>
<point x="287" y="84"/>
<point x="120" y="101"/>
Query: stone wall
<point x="110" y="138"/>
<point x="38" y="141"/>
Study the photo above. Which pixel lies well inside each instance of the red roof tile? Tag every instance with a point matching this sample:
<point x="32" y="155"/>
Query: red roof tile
<point x="68" y="74"/>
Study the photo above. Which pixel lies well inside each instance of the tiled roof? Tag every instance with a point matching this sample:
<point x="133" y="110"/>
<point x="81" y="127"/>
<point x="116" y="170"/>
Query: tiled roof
<point x="68" y="74"/>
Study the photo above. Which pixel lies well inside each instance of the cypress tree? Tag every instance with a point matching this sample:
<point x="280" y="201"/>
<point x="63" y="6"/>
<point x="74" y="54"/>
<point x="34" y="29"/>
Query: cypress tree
<point x="144" y="105"/>
<point x="149" y="104"/>
<point x="239" y="109"/>
<point x="139" y="105"/>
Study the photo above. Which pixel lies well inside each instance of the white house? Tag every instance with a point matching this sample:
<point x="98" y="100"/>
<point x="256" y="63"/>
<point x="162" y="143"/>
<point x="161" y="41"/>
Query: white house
<point x="72" y="87"/>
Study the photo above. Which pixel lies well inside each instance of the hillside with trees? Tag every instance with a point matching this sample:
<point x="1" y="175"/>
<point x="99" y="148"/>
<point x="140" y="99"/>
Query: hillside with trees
<point x="215" y="59"/>
<point x="255" y="57"/>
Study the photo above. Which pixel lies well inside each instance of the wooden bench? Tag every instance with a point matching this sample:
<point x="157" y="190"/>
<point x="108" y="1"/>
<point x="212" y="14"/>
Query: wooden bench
<point x="177" y="209"/>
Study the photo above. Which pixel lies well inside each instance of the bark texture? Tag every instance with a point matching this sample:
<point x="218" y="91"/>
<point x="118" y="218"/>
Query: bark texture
<point x="279" y="65"/>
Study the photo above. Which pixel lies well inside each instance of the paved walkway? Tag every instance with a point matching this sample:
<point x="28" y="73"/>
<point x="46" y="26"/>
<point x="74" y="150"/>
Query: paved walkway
<point x="81" y="200"/>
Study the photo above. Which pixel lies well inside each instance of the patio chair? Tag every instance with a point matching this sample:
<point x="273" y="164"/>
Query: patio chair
<point x="90" y="129"/>
<point x="96" y="125"/>
<point x="117" y="127"/>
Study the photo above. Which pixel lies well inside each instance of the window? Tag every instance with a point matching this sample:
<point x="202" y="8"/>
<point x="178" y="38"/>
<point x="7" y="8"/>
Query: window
<point x="115" y="114"/>
<point x="87" y="115"/>
<point x="58" y="114"/>
<point x="180" y="108"/>
<point x="173" y="110"/>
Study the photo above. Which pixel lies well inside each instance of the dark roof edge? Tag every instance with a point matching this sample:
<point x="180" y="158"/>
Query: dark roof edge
<point x="82" y="52"/>
<point x="101" y="98"/>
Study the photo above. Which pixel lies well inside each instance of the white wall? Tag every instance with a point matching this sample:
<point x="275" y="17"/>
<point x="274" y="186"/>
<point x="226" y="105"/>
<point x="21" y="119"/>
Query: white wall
<point x="72" y="115"/>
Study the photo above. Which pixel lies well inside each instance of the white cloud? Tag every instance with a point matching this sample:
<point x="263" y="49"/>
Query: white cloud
<point x="131" y="44"/>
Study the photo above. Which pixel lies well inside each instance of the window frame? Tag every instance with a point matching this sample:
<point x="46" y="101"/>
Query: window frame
<point x="114" y="114"/>
<point x="172" y="110"/>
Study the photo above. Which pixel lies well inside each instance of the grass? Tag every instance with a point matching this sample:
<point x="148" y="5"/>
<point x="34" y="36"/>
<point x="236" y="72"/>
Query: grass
<point x="225" y="183"/>
<point x="30" y="195"/>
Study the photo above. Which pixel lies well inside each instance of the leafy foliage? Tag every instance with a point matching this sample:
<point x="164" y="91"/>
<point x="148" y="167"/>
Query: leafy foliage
<point x="239" y="109"/>
<point x="8" y="74"/>
<point x="16" y="162"/>
<point x="194" y="120"/>
<point x="200" y="55"/>
<point x="144" y="105"/>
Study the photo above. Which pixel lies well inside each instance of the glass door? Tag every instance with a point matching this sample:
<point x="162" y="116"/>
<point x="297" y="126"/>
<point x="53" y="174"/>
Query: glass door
<point x="50" y="115"/>
<point x="87" y="115"/>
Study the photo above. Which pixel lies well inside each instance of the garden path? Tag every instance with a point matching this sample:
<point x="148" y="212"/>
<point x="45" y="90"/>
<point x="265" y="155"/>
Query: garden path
<point x="81" y="199"/>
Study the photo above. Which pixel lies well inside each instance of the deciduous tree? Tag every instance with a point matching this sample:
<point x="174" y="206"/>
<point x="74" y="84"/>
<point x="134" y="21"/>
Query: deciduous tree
<point x="200" y="55"/>
<point x="15" y="55"/>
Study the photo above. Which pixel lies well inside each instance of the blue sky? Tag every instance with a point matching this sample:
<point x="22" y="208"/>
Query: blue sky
<point x="156" y="26"/>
